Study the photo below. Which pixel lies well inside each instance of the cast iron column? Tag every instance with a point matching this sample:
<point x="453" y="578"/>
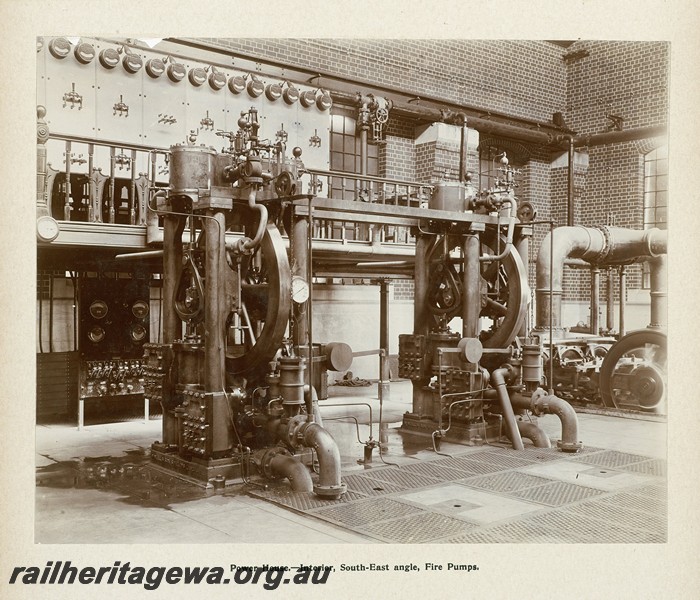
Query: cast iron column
<point x="384" y="376"/>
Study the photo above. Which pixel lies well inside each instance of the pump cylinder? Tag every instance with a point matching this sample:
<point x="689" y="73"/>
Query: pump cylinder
<point x="291" y="383"/>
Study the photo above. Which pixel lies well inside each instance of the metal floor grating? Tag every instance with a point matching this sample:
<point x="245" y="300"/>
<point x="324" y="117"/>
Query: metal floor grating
<point x="508" y="481"/>
<point x="401" y="477"/>
<point x="612" y="459"/>
<point x="416" y="529"/>
<point x="364" y="512"/>
<point x="556" y="493"/>
<point x="433" y="470"/>
<point x="403" y="504"/>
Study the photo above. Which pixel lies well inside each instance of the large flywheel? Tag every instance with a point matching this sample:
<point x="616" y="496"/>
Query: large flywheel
<point x="264" y="307"/>
<point x="503" y="287"/>
<point x="633" y="373"/>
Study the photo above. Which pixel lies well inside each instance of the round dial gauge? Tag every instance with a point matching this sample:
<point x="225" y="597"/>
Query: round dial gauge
<point x="59" y="47"/>
<point x="98" y="309"/>
<point x="47" y="228"/>
<point x="176" y="72"/>
<point x="140" y="309"/>
<point x="155" y="68"/>
<point x="300" y="290"/>
<point x="138" y="333"/>
<point x="96" y="334"/>
<point x="109" y="58"/>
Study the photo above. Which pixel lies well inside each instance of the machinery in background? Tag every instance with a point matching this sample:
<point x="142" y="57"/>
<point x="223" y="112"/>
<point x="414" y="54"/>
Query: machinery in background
<point x="232" y="383"/>
<point x="626" y="373"/>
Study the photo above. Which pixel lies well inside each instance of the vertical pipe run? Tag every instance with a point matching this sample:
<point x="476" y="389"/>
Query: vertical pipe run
<point x="309" y="302"/>
<point x="658" y="293"/>
<point x="420" y="284"/>
<point x="112" y="163"/>
<point x="611" y="300"/>
<point x="623" y="298"/>
<point x="215" y="227"/>
<point x="523" y="248"/>
<point x="471" y="305"/>
<point x="383" y="338"/>
<point x="50" y="311"/>
<point x="570" y="188"/>
<point x="66" y="200"/>
<point x="595" y="299"/>
<point x="299" y="248"/>
<point x="464" y="132"/>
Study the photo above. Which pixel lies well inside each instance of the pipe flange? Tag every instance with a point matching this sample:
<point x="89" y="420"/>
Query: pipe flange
<point x="295" y="430"/>
<point x="265" y="464"/>
<point x="607" y="240"/>
<point x="330" y="492"/>
<point x="571" y="447"/>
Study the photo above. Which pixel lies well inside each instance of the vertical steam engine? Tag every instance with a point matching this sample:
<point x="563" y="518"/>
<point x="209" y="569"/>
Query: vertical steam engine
<point x="232" y="386"/>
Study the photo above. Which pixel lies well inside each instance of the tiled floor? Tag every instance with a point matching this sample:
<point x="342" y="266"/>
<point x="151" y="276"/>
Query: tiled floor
<point x="92" y="487"/>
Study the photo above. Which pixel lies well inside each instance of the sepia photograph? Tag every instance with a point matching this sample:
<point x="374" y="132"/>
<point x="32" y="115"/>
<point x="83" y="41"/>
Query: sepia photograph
<point x="348" y="306"/>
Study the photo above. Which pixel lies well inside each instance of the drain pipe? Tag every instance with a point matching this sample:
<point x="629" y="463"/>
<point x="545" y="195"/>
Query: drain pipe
<point x="329" y="485"/>
<point x="498" y="379"/>
<point x="535" y="434"/>
<point x="543" y="403"/>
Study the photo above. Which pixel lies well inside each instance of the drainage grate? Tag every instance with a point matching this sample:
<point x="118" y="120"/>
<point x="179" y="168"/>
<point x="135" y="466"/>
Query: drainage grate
<point x="506" y="482"/>
<point x="656" y="467"/>
<point x="469" y="467"/>
<point x="364" y="512"/>
<point x="556" y="493"/>
<point x="572" y="526"/>
<point x="370" y="487"/>
<point x="401" y="477"/>
<point x="542" y="454"/>
<point x="430" y="469"/>
<point x="612" y="458"/>
<point x="416" y="529"/>
<point x="657" y="491"/>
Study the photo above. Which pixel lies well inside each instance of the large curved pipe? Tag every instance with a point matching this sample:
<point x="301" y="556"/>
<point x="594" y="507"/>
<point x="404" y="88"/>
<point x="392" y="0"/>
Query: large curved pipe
<point x="283" y="465"/>
<point x="498" y="380"/>
<point x="533" y="433"/>
<point x="541" y="403"/>
<point x="600" y="245"/>
<point x="329" y="484"/>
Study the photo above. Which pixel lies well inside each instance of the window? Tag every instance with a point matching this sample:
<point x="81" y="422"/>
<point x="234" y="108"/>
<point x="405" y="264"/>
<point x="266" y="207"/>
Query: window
<point x="656" y="188"/>
<point x="345" y="155"/>
<point x="655" y="197"/>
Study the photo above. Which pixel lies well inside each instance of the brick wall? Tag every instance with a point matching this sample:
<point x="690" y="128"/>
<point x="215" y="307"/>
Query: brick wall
<point x="481" y="73"/>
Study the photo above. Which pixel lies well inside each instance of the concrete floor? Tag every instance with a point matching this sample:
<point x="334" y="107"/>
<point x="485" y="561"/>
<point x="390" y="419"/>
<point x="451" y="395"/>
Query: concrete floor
<point x="94" y="485"/>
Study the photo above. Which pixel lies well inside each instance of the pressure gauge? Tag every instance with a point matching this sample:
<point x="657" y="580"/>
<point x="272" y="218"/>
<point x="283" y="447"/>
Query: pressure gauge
<point x="300" y="290"/>
<point x="155" y="68"/>
<point x="96" y="334"/>
<point x="99" y="309"/>
<point x="236" y="84"/>
<point x="109" y="58"/>
<point x="46" y="229"/>
<point x="59" y="47"/>
<point x="138" y="333"/>
<point x="217" y="80"/>
<point x="140" y="309"/>
<point x="84" y="53"/>
<point x="176" y="72"/>
<point x="197" y="76"/>
<point x="132" y="63"/>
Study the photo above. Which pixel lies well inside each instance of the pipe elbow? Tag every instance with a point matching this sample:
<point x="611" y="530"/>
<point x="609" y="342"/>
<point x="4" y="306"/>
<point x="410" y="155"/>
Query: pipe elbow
<point x="329" y="484"/>
<point x="535" y="434"/>
<point x="551" y="404"/>
<point x="282" y="465"/>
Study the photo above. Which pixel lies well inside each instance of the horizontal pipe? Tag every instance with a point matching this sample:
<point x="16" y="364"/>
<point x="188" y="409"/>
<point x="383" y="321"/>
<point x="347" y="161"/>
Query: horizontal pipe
<point x="617" y="137"/>
<point x="596" y="245"/>
<point x="535" y="434"/>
